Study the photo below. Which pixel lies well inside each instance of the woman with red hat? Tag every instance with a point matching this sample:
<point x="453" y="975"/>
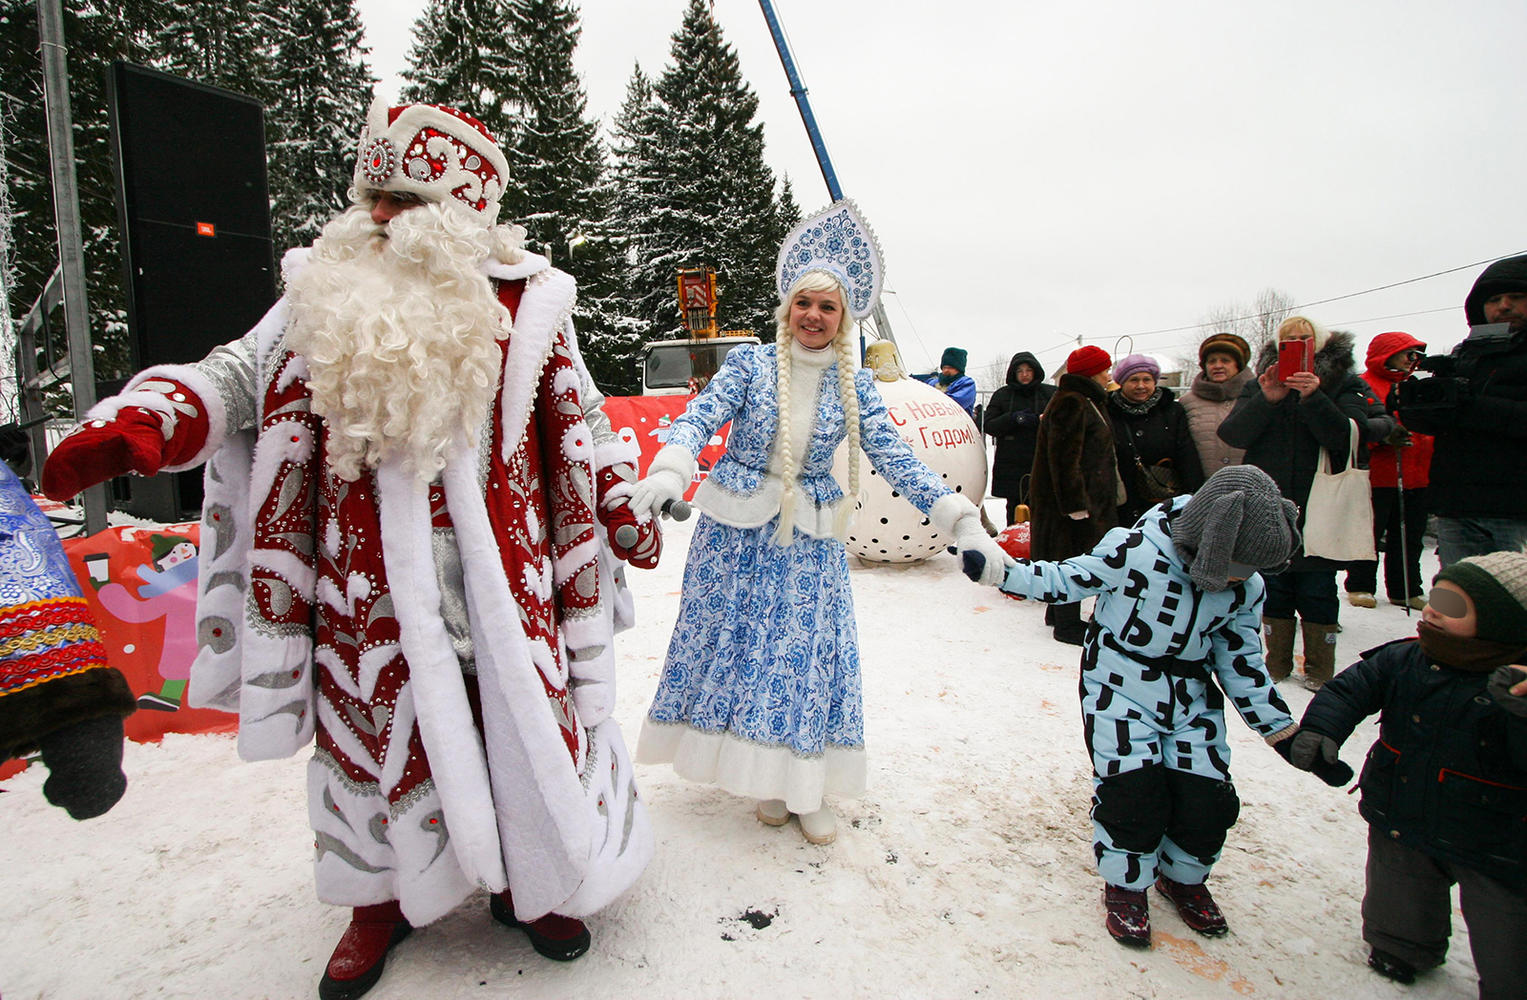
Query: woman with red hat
<point x="1075" y="489"/>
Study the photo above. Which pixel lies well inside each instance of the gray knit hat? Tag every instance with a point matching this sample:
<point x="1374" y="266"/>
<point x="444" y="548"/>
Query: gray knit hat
<point x="1238" y="516"/>
<point x="1498" y="584"/>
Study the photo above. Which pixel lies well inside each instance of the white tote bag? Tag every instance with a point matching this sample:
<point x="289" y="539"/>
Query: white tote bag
<point x="1338" y="520"/>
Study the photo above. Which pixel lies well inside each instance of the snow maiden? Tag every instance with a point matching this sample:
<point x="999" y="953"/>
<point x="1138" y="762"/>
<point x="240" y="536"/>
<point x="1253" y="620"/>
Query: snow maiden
<point x="760" y="691"/>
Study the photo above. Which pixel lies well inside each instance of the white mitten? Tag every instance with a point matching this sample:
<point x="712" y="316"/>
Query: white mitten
<point x="969" y="536"/>
<point x="955" y="516"/>
<point x="666" y="480"/>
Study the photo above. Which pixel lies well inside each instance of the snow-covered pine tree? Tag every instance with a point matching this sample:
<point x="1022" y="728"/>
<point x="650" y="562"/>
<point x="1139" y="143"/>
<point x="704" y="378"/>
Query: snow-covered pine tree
<point x="558" y="189"/>
<point x="320" y="87"/>
<point x="637" y="189"/>
<point x="222" y="44"/>
<point x="96" y="33"/>
<point x="715" y="196"/>
<point x="460" y="57"/>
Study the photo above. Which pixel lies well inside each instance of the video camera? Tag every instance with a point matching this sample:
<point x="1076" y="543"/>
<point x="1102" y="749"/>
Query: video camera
<point x="1448" y="384"/>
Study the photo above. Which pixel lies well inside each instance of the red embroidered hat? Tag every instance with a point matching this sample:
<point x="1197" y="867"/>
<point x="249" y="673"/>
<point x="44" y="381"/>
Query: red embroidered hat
<point x="434" y="152"/>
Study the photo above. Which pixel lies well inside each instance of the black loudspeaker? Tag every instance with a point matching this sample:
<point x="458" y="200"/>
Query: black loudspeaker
<point x="194" y="210"/>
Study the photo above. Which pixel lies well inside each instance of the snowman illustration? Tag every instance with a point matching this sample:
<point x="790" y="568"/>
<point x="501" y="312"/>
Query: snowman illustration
<point x="167" y="591"/>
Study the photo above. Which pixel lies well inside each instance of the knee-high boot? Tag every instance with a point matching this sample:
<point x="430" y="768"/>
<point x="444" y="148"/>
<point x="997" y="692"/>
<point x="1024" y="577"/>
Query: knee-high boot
<point x="1319" y="654"/>
<point x="1278" y="634"/>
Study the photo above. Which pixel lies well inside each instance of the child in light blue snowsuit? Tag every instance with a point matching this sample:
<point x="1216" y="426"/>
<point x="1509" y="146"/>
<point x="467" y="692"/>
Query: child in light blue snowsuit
<point x="1176" y="630"/>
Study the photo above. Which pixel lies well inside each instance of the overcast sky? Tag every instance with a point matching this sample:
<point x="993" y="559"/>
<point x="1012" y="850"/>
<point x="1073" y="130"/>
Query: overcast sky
<point x="1042" y="171"/>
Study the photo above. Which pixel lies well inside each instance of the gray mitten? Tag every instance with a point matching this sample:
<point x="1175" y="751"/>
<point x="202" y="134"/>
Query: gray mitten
<point x="1318" y="754"/>
<point x="84" y="766"/>
<point x="1501" y="681"/>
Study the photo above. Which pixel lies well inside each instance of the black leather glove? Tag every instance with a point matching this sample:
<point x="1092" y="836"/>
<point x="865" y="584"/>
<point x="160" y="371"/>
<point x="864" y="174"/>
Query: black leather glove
<point x="1398" y="438"/>
<point x="1316" y="753"/>
<point x="85" y="766"/>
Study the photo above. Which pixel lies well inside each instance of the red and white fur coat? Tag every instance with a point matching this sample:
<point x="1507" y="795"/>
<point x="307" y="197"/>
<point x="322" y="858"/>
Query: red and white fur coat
<point x="308" y="628"/>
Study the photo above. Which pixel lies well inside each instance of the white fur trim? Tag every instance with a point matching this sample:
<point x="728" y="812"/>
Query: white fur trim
<point x="547" y="301"/>
<point x="545" y="832"/>
<point x="457" y="764"/>
<point x="523" y="268"/>
<point x="616" y="451"/>
<point x="676" y="459"/>
<point x="207" y="398"/>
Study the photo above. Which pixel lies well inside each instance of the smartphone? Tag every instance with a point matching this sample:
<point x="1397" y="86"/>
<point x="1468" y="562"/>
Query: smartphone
<point x="1295" y="356"/>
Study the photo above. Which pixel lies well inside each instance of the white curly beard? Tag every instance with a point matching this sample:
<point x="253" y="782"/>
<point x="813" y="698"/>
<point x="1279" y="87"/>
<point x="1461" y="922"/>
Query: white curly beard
<point x="400" y="330"/>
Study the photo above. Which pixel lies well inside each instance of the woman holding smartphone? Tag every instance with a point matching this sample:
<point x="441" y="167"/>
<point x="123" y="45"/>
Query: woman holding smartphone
<point x="1303" y="399"/>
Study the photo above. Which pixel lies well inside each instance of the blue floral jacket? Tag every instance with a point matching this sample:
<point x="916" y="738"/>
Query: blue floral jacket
<point x="740" y="490"/>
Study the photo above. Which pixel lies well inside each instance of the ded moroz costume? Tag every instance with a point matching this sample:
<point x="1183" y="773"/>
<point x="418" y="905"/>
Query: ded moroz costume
<point x="420" y="581"/>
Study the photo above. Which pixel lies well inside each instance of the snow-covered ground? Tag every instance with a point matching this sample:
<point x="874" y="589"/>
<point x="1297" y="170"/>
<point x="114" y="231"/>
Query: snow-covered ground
<point x="966" y="870"/>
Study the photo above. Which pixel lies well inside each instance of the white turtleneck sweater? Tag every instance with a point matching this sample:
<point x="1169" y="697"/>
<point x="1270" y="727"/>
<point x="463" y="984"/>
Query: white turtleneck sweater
<point x="807" y="368"/>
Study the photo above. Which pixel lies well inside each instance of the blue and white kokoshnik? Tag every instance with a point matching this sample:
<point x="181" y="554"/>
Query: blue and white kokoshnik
<point x="836" y="240"/>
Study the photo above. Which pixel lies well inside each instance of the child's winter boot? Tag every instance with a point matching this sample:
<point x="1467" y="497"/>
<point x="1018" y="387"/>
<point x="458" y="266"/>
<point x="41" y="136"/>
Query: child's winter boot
<point x="1129" y="916"/>
<point x="1194" y="905"/>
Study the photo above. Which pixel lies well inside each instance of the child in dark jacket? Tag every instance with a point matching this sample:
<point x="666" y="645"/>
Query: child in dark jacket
<point x="1444" y="789"/>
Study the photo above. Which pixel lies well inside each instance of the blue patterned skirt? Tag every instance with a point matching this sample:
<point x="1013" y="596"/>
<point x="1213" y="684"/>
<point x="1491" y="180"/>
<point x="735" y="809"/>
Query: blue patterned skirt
<point x="760" y="692"/>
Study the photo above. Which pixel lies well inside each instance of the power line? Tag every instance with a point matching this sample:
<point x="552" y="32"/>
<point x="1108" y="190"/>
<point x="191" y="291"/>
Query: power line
<point x="1334" y="298"/>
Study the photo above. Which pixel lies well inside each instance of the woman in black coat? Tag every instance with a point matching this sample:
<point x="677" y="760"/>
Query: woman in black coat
<point x="1012" y="419"/>
<point x="1151" y="426"/>
<point x="1283" y="426"/>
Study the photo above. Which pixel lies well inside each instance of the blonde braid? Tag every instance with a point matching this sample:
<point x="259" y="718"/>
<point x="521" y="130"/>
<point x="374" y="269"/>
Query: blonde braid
<point x="850" y="396"/>
<point x="785" y="533"/>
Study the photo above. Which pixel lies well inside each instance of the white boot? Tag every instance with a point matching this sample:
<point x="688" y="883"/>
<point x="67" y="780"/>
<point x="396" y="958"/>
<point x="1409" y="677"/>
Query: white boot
<point x="772" y="812"/>
<point x="820" y="827"/>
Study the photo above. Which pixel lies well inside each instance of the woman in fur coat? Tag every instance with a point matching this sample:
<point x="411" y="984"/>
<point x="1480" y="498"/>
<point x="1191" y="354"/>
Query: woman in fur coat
<point x="760" y="692"/>
<point x="1283" y="425"/>
<point x="1075" y="489"/>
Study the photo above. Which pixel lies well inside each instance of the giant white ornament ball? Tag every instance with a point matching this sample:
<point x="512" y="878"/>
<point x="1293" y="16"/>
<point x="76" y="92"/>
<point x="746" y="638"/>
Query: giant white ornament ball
<point x="885" y="526"/>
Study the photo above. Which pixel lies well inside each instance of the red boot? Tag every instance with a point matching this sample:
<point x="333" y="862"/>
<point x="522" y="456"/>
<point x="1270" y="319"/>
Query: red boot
<point x="361" y="954"/>
<point x="554" y="936"/>
<point x="1129" y="916"/>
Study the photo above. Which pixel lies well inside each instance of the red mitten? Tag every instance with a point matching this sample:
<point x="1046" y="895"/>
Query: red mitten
<point x="104" y="449"/>
<point x="160" y="422"/>
<point x="620" y="522"/>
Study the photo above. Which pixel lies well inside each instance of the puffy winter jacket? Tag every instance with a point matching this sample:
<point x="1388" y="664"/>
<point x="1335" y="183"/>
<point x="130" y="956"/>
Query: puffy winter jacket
<point x="1160" y="434"/>
<point x="1477" y="468"/>
<point x="1448" y="773"/>
<point x="1012" y="419"/>
<point x="1284" y="439"/>
<point x="1415" y="459"/>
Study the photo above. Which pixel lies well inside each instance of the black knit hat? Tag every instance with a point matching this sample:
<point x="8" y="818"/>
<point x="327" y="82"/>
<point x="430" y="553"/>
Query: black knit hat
<point x="1497" y="583"/>
<point x="1506" y="275"/>
<point x="954" y="357"/>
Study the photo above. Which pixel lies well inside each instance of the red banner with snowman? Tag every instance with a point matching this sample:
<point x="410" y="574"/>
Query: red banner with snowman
<point x="140" y="582"/>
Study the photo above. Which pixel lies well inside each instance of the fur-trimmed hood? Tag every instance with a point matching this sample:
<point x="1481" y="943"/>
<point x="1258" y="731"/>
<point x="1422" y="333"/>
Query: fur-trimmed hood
<point x="1333" y="362"/>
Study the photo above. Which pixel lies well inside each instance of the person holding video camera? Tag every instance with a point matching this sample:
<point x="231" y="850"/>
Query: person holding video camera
<point x="1475" y="404"/>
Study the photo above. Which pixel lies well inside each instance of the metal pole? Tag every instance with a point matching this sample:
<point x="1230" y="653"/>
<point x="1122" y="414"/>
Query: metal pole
<point x="1399" y="494"/>
<point x="66" y="213"/>
<point x="798" y="91"/>
<point x="830" y="176"/>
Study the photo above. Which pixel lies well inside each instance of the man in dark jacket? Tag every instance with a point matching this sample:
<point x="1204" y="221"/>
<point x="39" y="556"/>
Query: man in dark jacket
<point x="1445" y="785"/>
<point x="1075" y="487"/>
<point x="1012" y="419"/>
<point x="1478" y="485"/>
